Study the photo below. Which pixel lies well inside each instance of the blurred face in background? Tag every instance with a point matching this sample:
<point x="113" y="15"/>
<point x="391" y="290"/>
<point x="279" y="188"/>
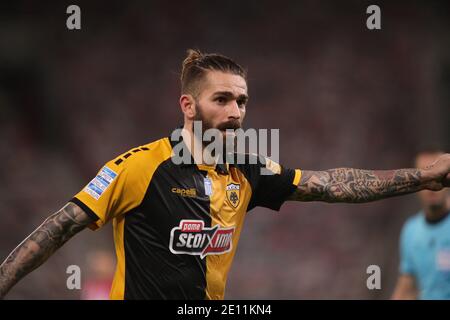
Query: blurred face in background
<point x="431" y="200"/>
<point x="221" y="101"/>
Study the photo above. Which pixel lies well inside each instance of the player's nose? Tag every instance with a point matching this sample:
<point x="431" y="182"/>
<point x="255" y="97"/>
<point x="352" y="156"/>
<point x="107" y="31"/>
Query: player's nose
<point x="233" y="111"/>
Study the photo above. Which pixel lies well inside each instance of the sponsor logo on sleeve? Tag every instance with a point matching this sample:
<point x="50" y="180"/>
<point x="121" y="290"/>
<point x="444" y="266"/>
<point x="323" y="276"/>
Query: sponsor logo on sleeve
<point x="100" y="183"/>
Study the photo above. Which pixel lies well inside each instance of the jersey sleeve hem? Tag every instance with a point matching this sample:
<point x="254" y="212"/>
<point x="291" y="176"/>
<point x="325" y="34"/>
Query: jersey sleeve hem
<point x="286" y="191"/>
<point x="297" y="177"/>
<point x="93" y="226"/>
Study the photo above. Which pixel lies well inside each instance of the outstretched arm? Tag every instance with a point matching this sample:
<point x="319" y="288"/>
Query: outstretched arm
<point x="41" y="244"/>
<point x="357" y="185"/>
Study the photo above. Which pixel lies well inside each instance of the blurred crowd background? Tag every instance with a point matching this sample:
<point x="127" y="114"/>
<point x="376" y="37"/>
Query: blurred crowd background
<point x="340" y="94"/>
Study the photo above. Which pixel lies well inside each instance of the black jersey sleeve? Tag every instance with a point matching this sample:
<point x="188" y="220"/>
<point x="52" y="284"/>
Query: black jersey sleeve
<point x="271" y="183"/>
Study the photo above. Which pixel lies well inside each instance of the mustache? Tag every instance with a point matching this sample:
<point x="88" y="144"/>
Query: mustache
<point x="231" y="124"/>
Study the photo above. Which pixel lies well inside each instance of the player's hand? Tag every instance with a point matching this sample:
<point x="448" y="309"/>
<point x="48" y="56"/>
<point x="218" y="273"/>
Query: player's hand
<point x="437" y="175"/>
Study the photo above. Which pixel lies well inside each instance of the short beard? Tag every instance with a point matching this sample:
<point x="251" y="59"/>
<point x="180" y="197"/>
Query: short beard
<point x="207" y="124"/>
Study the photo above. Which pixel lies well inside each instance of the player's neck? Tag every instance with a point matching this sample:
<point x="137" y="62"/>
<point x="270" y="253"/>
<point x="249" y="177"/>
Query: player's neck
<point x="196" y="148"/>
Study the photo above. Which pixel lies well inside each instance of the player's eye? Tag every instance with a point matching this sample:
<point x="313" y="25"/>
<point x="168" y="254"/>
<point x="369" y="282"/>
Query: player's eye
<point x="241" y="103"/>
<point x="221" y="100"/>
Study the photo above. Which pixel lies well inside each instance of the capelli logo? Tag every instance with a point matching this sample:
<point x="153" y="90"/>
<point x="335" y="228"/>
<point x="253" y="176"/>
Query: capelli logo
<point x="192" y="193"/>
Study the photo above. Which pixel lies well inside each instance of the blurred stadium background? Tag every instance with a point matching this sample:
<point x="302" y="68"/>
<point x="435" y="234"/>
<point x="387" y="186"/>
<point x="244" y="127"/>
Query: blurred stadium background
<point x="341" y="95"/>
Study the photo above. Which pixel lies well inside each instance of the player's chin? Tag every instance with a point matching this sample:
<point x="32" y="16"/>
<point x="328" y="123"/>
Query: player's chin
<point x="227" y="133"/>
<point x="228" y="140"/>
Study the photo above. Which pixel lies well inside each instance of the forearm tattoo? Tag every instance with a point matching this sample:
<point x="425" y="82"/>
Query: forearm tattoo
<point x="41" y="244"/>
<point x="356" y="185"/>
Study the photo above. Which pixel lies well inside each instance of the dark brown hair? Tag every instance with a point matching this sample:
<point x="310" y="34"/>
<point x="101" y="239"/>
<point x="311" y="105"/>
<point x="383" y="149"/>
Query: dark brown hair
<point x="196" y="64"/>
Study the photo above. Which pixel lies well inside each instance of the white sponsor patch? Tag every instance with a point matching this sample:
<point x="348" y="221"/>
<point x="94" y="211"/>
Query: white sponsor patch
<point x="208" y="186"/>
<point x="100" y="183"/>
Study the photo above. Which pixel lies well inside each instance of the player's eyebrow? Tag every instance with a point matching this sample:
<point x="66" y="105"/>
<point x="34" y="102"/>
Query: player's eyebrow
<point x="230" y="95"/>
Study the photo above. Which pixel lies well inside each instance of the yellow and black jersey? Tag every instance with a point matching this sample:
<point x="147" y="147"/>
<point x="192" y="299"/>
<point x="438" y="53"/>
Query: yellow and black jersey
<point x="177" y="226"/>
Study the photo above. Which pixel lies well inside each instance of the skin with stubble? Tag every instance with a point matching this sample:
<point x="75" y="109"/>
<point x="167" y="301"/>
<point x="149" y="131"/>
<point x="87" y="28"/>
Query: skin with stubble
<point x="220" y="104"/>
<point x="220" y="101"/>
<point x="436" y="206"/>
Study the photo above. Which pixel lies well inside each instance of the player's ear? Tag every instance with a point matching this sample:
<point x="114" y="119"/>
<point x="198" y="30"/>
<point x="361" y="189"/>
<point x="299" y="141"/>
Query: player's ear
<point x="187" y="104"/>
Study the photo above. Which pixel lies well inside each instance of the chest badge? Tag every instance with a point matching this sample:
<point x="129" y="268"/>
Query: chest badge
<point x="233" y="194"/>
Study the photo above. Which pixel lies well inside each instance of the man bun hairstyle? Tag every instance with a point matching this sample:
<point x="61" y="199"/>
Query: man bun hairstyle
<point x="196" y="64"/>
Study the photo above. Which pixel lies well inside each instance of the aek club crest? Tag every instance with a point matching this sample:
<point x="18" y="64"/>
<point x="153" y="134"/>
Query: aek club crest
<point x="233" y="194"/>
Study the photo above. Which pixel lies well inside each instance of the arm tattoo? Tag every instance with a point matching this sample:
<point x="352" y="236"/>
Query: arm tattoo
<point x="355" y="185"/>
<point x="41" y="244"/>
